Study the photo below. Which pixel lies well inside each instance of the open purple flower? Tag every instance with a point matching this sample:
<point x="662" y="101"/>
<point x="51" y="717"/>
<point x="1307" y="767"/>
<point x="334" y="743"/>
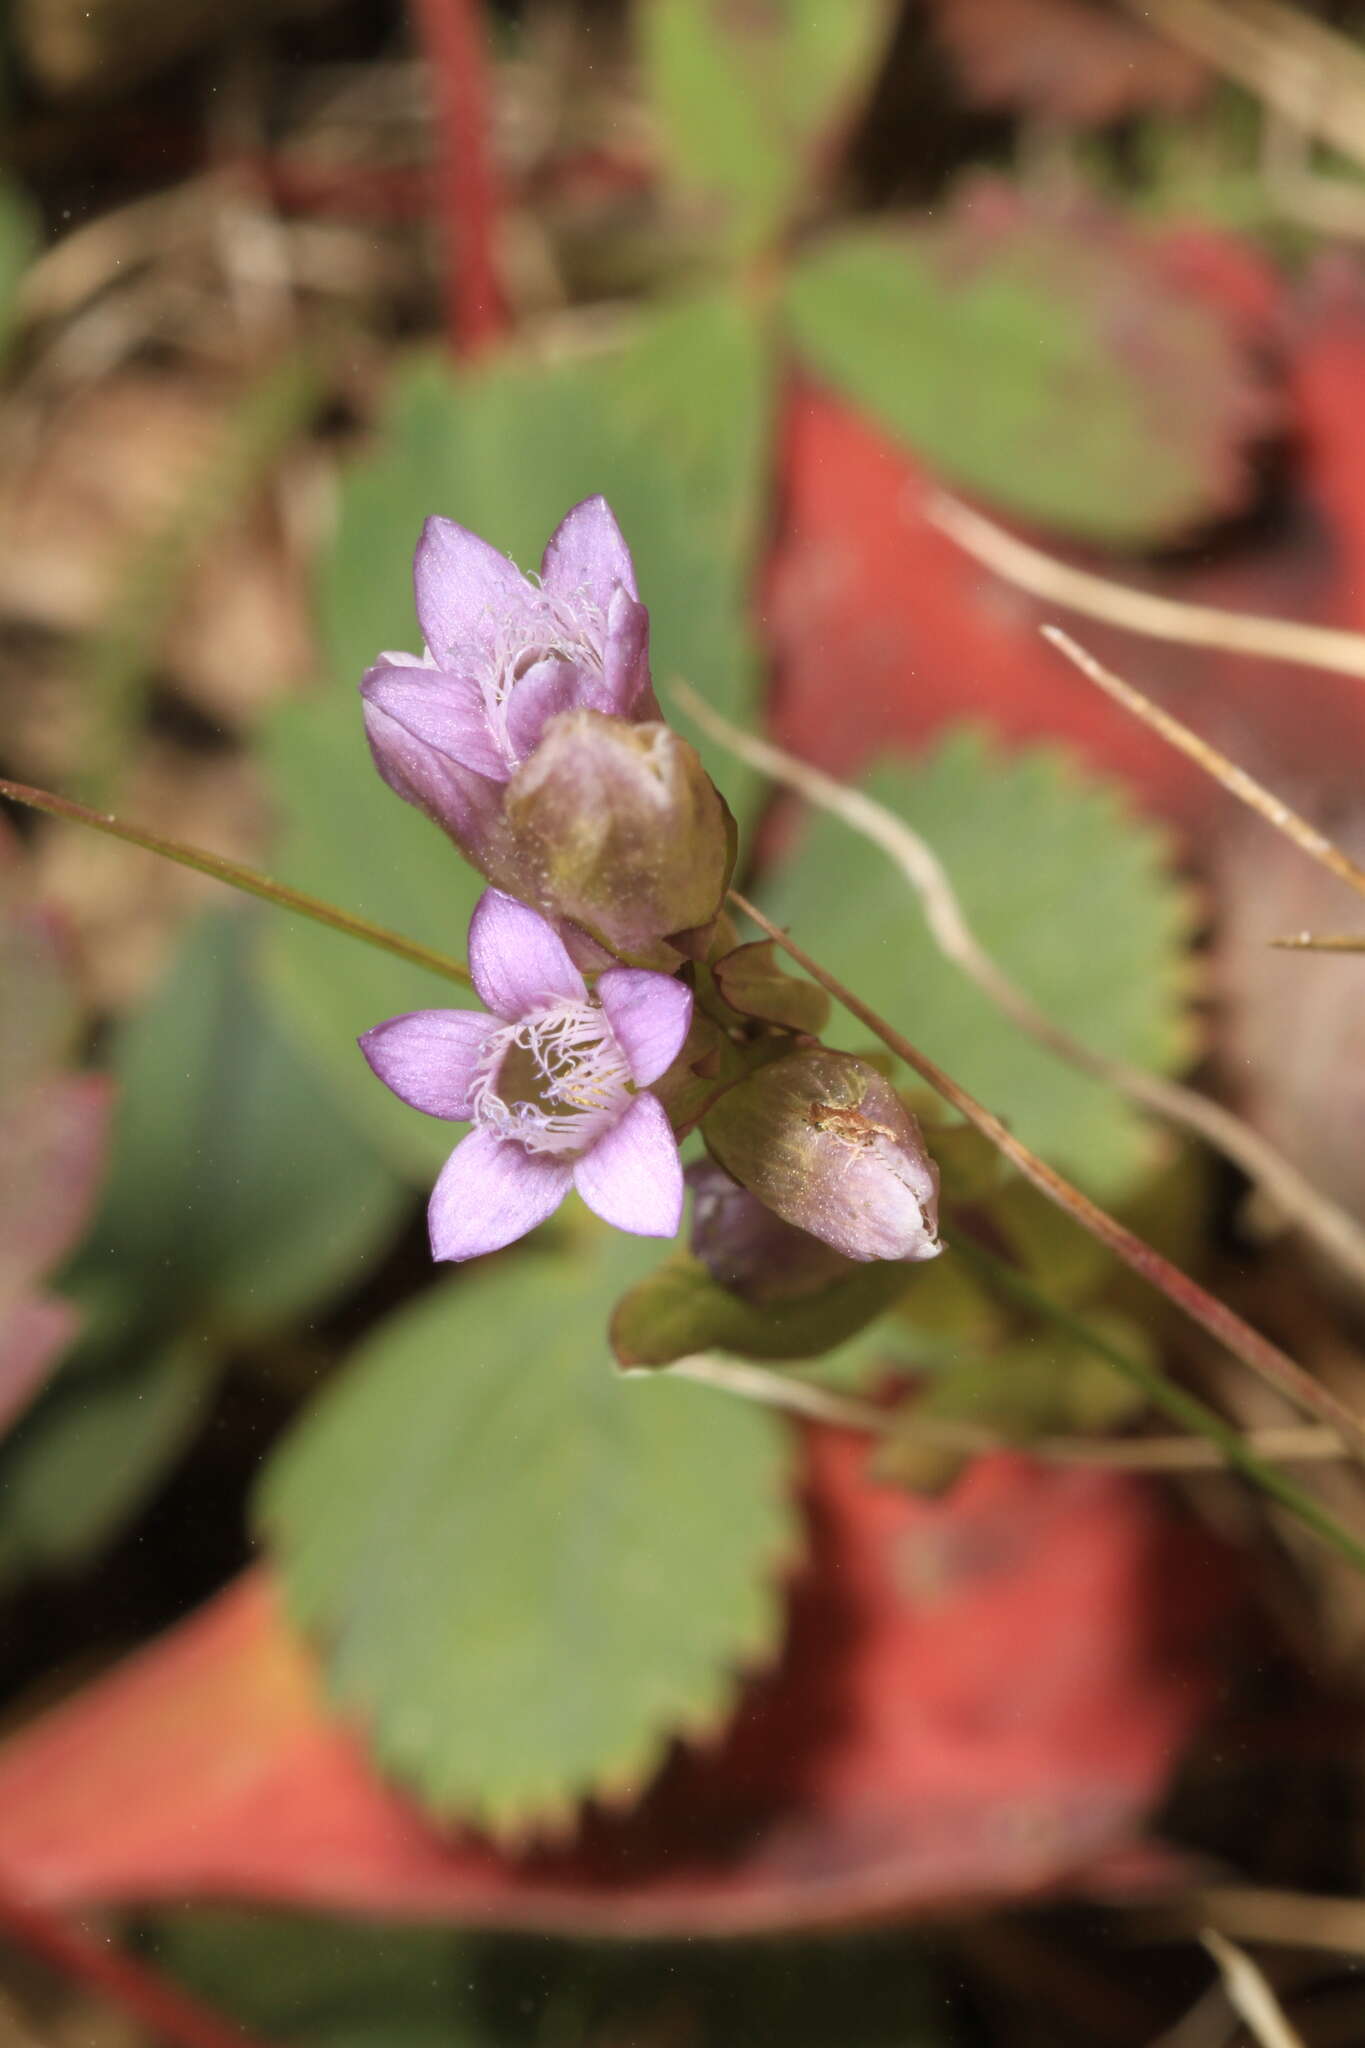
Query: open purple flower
<point x="554" y="1082"/>
<point x="504" y="653"/>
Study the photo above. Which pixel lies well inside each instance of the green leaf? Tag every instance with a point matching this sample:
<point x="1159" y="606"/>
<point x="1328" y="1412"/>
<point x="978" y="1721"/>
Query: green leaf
<point x="755" y="983"/>
<point x="672" y="429"/>
<point x="86" y="1454"/>
<point x="233" y="1186"/>
<point x="527" y="1573"/>
<point x="358" y="1984"/>
<point x="680" y="1309"/>
<point x="1064" y="887"/>
<point x="747" y="96"/>
<point x="1048" y="366"/>
<point x="235" y="1199"/>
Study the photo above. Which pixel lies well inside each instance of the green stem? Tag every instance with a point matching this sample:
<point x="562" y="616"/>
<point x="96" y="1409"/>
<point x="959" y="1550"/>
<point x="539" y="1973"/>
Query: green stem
<point x="1165" y="1394"/>
<point x="238" y="877"/>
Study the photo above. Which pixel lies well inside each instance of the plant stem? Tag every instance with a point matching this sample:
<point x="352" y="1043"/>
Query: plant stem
<point x="1167" y="1395"/>
<point x="1221" y="1322"/>
<point x="237" y="876"/>
<point x="451" y="33"/>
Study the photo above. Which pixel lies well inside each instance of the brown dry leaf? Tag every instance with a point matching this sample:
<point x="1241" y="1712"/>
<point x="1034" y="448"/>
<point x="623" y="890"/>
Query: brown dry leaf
<point x="1293" y="1040"/>
<point x="110" y="465"/>
<point x="1063" y="60"/>
<point x="111" y="471"/>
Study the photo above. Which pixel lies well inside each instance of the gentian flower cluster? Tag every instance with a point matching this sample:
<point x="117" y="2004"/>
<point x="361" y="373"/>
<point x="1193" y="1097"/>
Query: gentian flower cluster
<point x="528" y="731"/>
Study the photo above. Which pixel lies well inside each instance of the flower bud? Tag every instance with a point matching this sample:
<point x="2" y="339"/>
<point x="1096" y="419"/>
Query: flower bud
<point x="825" y="1142"/>
<point x="747" y="1248"/>
<point x="619" y="828"/>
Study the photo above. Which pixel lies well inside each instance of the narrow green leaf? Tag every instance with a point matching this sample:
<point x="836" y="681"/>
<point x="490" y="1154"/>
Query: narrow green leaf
<point x="680" y="1309"/>
<point x="527" y="1573"/>
<point x="1064" y="887"/>
<point x="232" y="1182"/>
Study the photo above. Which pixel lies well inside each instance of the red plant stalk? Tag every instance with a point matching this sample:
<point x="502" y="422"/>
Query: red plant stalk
<point x="451" y="35"/>
<point x="169" y="2014"/>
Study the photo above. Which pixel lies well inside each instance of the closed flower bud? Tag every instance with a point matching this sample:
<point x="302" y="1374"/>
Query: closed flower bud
<point x="619" y="828"/>
<point x="748" y="1249"/>
<point x="825" y="1142"/>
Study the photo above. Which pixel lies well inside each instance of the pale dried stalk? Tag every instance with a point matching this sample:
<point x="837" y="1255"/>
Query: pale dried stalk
<point x="1310" y="942"/>
<point x="1235" y="780"/>
<point x="773" y="1388"/>
<point x="1139" y="611"/>
<point x="1331" y="1226"/>
<point x="1269" y="1918"/>
<point x="1249" y="1992"/>
<point x="1222" y="1323"/>
<point x="1300" y="67"/>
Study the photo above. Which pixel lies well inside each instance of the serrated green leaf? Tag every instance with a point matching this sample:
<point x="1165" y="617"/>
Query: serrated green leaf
<point x="1064" y="887"/>
<point x="671" y="429"/>
<point x="1048" y="367"/>
<point x="528" y="1574"/>
<point x="680" y="1309"/>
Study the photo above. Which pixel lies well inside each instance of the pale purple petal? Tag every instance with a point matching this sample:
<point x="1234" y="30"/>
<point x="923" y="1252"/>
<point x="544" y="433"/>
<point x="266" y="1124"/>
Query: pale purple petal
<point x="546" y="688"/>
<point x="463" y="804"/>
<point x="430" y="1057"/>
<point x="465" y="589"/>
<point x="649" y="1015"/>
<point x="625" y="657"/>
<point x="490" y="1193"/>
<point x="441" y="711"/>
<point x="518" y="960"/>
<point x="586" y="551"/>
<point x="632" y="1177"/>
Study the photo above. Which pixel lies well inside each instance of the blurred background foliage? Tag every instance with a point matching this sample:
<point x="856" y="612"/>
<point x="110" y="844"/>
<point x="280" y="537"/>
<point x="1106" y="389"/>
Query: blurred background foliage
<point x="545" y="1647"/>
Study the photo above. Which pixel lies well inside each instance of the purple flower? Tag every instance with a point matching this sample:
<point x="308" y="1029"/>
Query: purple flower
<point x="554" y="1082"/>
<point x="504" y="653"/>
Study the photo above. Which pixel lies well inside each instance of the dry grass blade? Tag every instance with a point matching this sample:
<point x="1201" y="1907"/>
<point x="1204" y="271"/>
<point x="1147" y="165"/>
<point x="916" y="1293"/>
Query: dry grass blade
<point x="1298" y="66"/>
<point x="1249" y="1991"/>
<point x="1270" y="1918"/>
<point x="772" y="1388"/>
<point x="1138" y="611"/>
<point x="1289" y="1189"/>
<point x="1221" y="1322"/>
<point x="1232" y="778"/>
<point x="1310" y="942"/>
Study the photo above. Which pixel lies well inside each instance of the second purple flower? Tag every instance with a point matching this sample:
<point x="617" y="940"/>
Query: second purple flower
<point x="553" y="1079"/>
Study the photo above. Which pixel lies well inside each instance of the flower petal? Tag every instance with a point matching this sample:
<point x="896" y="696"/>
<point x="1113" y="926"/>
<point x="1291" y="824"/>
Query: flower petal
<point x="430" y="1057"/>
<point x="465" y="590"/>
<point x="462" y="803"/>
<point x="649" y="1014"/>
<point x="632" y="1177"/>
<point x="490" y="1193"/>
<point x="625" y="659"/>
<point x="587" y="551"/>
<point x="444" y="712"/>
<point x="546" y="688"/>
<point x="518" y="960"/>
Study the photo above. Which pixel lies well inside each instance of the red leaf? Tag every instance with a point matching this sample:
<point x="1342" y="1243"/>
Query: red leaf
<point x="34" y="1332"/>
<point x="980" y="1696"/>
<point x="1065" y="60"/>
